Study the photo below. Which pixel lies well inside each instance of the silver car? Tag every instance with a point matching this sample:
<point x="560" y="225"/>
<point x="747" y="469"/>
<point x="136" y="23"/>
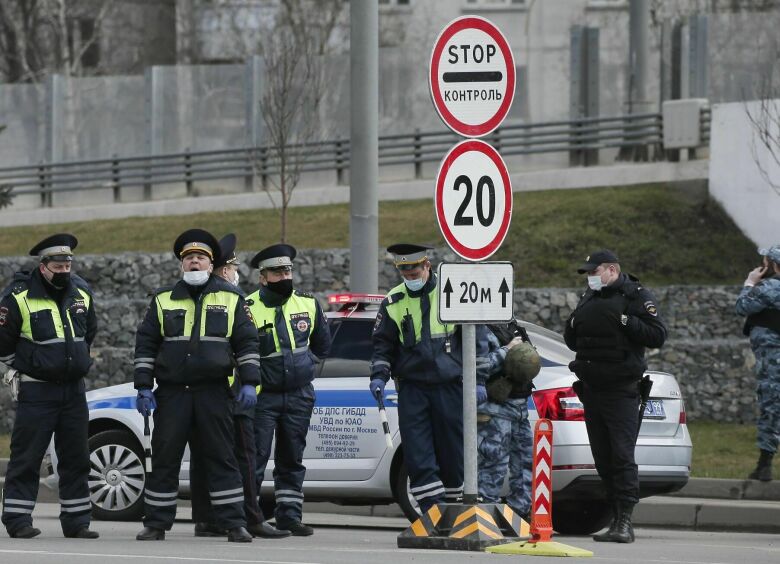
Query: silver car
<point x="348" y="461"/>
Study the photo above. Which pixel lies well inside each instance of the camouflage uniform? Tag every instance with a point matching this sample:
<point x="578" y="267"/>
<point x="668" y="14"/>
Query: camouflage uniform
<point x="504" y="441"/>
<point x="765" y="343"/>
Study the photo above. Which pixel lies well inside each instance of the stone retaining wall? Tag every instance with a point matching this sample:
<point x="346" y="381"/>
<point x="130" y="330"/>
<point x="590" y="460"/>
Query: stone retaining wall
<point x="705" y="351"/>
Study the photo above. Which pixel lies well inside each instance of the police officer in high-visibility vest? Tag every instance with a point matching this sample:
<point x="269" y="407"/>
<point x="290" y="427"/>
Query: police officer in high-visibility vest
<point x="424" y="357"/>
<point x="243" y="447"/>
<point x="47" y="325"/>
<point x="293" y="335"/>
<point x="192" y="335"/>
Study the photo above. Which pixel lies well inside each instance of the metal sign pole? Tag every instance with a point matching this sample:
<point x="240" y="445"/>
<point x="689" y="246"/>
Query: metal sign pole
<point x="469" y="333"/>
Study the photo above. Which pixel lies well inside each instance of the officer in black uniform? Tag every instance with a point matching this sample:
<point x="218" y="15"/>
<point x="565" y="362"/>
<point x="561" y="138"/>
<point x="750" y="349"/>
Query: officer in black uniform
<point x="243" y="447"/>
<point x="293" y="335"/>
<point x="615" y="319"/>
<point x="424" y="356"/>
<point x="47" y="325"/>
<point x="192" y="335"/>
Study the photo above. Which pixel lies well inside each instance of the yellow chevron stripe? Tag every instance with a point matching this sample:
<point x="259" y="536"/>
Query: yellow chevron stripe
<point x="476" y="526"/>
<point x="434" y="514"/>
<point x="470" y="512"/>
<point x="418" y="528"/>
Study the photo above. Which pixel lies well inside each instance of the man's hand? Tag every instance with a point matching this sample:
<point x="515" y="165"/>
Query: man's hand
<point x="481" y="394"/>
<point x="247" y="396"/>
<point x="145" y="402"/>
<point x="514" y="342"/>
<point x="377" y="384"/>
<point x="755" y="276"/>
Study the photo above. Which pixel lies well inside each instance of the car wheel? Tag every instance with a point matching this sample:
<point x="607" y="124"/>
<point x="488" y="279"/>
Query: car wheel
<point x="580" y="517"/>
<point x="116" y="476"/>
<point x="404" y="497"/>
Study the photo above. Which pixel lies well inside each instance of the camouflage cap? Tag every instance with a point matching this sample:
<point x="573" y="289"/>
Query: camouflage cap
<point x="772" y="253"/>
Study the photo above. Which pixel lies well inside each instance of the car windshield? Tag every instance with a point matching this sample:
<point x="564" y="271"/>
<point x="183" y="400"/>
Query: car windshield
<point x="350" y="350"/>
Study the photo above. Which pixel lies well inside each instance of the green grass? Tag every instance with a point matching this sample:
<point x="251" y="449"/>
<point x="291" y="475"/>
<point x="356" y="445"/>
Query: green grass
<point x="724" y="450"/>
<point x="720" y="450"/>
<point x="664" y="235"/>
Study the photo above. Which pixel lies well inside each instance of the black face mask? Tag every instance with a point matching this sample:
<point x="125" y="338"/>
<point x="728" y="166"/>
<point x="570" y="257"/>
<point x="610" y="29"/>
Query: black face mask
<point x="59" y="279"/>
<point x="283" y="287"/>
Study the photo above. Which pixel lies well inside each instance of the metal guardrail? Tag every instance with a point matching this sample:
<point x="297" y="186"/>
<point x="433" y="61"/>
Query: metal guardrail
<point x="259" y="163"/>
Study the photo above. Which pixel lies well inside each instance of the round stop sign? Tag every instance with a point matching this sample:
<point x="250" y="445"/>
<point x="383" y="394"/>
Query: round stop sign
<point x="473" y="199"/>
<point x="472" y="76"/>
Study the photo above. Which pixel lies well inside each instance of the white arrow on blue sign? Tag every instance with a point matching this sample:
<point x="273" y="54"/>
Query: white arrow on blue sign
<point x="476" y="292"/>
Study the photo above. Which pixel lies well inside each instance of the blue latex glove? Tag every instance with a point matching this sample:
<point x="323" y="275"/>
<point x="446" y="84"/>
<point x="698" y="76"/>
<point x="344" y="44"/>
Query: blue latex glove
<point x="377" y="384"/>
<point x="145" y="402"/>
<point x="247" y="396"/>
<point x="481" y="394"/>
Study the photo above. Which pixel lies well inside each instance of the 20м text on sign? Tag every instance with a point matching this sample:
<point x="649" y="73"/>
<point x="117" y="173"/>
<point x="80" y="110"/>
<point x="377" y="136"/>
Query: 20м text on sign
<point x="472" y="76"/>
<point x="473" y="199"/>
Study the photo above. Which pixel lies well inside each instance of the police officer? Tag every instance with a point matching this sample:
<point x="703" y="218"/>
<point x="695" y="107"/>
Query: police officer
<point x="759" y="300"/>
<point x="243" y="447"/>
<point x="615" y="319"/>
<point x="47" y="326"/>
<point x="504" y="439"/>
<point x="293" y="335"/>
<point x="191" y="336"/>
<point x="424" y="356"/>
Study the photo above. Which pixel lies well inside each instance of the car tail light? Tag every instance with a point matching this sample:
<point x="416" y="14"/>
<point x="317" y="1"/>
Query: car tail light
<point x="559" y="404"/>
<point x="352" y="298"/>
<point x="683" y="416"/>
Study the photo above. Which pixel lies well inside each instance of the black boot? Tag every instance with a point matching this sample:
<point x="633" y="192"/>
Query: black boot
<point x="239" y="534"/>
<point x="606" y="536"/>
<point x="267" y="531"/>
<point x="624" y="531"/>
<point x="83" y="533"/>
<point x="150" y="533"/>
<point x="209" y="530"/>
<point x="763" y="469"/>
<point x="26" y="532"/>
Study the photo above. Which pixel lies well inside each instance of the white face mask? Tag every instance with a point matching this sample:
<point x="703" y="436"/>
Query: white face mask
<point x="595" y="283"/>
<point x="414" y="285"/>
<point x="196" y="277"/>
<point x="236" y="278"/>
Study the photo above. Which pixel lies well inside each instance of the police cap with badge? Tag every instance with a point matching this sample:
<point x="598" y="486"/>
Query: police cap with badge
<point x="407" y="256"/>
<point x="197" y="241"/>
<point x="58" y="247"/>
<point x="227" y="247"/>
<point x="593" y="261"/>
<point x="277" y="257"/>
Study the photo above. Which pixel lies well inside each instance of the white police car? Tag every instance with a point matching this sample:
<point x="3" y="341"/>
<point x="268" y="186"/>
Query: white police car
<point x="347" y="459"/>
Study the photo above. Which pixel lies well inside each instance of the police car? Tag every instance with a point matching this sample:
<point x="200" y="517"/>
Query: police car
<point x="347" y="458"/>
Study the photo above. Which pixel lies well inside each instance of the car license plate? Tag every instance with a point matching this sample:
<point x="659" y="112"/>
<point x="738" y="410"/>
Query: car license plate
<point x="655" y="409"/>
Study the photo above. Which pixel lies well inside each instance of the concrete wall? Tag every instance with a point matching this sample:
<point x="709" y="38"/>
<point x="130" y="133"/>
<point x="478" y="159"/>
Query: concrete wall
<point x="705" y="351"/>
<point x="737" y="158"/>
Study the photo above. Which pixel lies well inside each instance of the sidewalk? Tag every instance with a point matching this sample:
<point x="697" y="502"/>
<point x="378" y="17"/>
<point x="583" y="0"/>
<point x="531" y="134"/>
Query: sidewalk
<point x="704" y="504"/>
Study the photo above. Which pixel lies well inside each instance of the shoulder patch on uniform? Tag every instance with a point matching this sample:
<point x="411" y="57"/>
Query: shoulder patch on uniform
<point x="378" y="321"/>
<point x="651" y="309"/>
<point x="394" y="297"/>
<point x="3" y="315"/>
<point x="248" y="311"/>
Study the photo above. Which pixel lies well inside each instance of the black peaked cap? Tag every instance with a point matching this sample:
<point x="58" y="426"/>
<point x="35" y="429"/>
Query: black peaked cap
<point x="275" y="255"/>
<point x="65" y="241"/>
<point x="197" y="240"/>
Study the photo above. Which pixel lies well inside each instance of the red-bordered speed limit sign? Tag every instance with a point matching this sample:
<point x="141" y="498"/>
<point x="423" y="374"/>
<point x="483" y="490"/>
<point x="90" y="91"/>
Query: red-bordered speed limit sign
<point x="472" y="76"/>
<point x="473" y="199"/>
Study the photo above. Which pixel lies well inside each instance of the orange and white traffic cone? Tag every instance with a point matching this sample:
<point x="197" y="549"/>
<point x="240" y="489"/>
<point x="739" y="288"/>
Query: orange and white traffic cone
<point x="541" y="543"/>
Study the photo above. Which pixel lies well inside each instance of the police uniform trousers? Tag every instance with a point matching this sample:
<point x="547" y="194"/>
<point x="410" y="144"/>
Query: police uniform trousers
<point x="183" y="412"/>
<point x="430" y="418"/>
<point x="285" y="415"/>
<point x="44" y="409"/>
<point x="611" y="418"/>
<point x="246" y="456"/>
<point x="505" y="443"/>
<point x="768" y="396"/>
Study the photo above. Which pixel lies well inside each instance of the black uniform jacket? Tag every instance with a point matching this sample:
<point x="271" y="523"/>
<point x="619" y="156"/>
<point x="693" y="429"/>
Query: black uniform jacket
<point x="51" y="358"/>
<point x="196" y="360"/>
<point x="608" y="352"/>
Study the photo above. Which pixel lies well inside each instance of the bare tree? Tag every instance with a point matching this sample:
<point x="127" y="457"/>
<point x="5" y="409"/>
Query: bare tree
<point x="290" y="106"/>
<point x="765" y="118"/>
<point x="6" y="198"/>
<point x="320" y="20"/>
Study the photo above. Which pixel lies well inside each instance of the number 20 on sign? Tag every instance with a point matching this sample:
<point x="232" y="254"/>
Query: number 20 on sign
<point x="473" y="199"/>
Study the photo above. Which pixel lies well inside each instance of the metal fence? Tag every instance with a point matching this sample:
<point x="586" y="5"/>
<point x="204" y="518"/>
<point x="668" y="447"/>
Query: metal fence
<point x="257" y="164"/>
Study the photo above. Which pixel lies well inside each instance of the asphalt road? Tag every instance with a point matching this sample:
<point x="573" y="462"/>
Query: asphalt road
<point x="369" y="539"/>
